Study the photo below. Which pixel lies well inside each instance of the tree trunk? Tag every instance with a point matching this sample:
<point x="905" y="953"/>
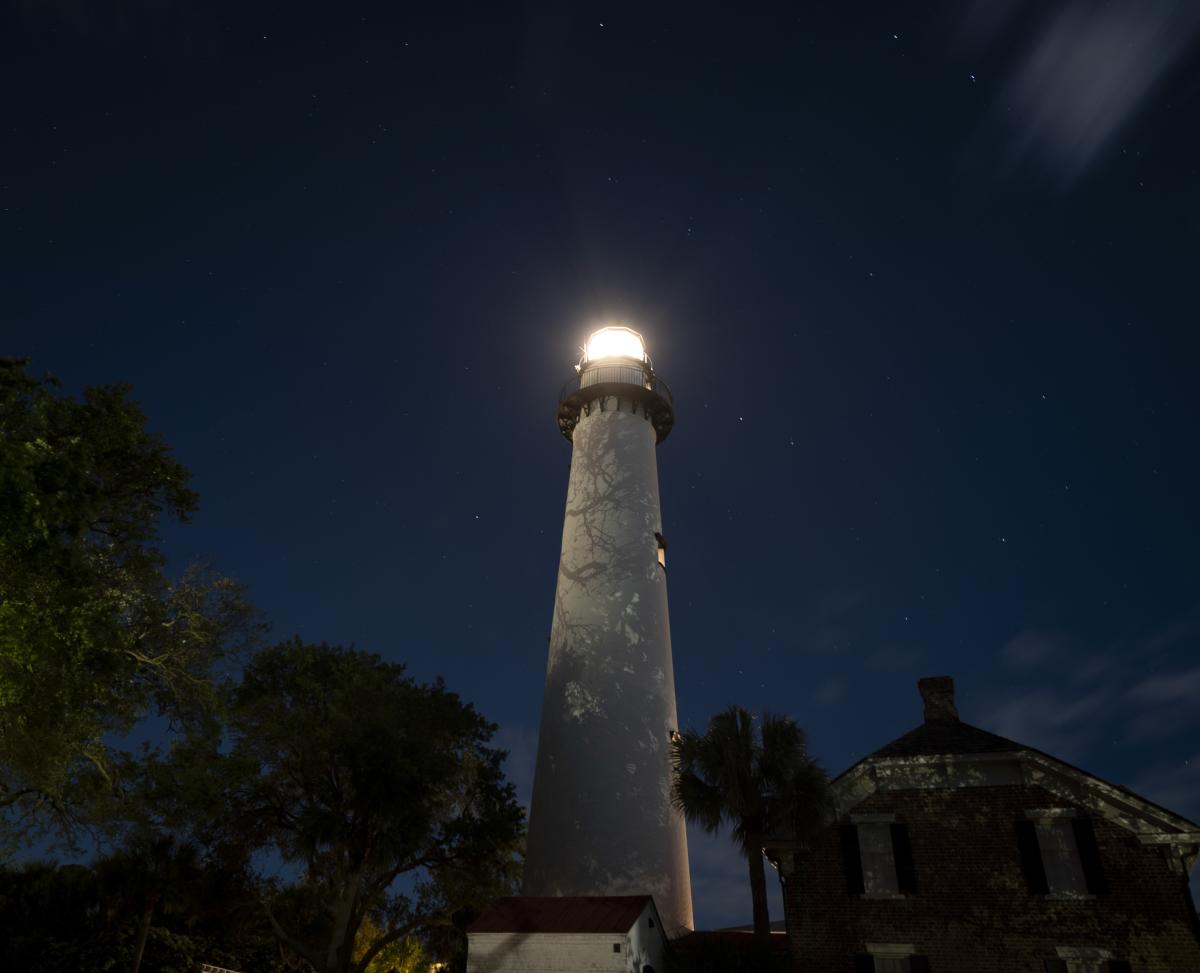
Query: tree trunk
<point x="758" y="891"/>
<point x="143" y="931"/>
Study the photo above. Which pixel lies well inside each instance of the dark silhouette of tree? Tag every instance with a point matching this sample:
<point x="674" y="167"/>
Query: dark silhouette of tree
<point x="379" y="796"/>
<point x="754" y="778"/>
<point x="94" y="636"/>
<point x="161" y="899"/>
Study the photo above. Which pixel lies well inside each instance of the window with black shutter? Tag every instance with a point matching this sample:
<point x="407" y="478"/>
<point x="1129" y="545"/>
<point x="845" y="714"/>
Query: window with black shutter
<point x="1059" y="855"/>
<point x="906" y="875"/>
<point x="864" y="963"/>
<point x="1117" y="966"/>
<point x="1089" y="856"/>
<point x="1031" y="859"/>
<point x="1056" y="966"/>
<point x="918" y="964"/>
<point x="852" y="862"/>
<point x="877" y="858"/>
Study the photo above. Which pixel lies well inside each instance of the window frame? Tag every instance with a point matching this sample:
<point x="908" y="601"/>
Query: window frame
<point x="905" y="953"/>
<point x="1034" y="835"/>
<point x="899" y="864"/>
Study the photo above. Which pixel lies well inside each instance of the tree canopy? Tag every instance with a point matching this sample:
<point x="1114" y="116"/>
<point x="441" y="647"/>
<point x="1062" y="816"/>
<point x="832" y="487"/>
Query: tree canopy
<point x="94" y="634"/>
<point x="377" y="799"/>
<point x="756" y="778"/>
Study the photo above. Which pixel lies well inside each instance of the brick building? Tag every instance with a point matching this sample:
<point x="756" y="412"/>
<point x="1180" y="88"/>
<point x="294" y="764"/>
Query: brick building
<point x="956" y="851"/>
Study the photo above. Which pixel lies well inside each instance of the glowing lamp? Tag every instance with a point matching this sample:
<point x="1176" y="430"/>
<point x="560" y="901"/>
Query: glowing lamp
<point x="615" y="342"/>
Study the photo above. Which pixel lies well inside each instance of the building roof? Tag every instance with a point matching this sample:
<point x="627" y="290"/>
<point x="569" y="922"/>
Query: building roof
<point x="558" y="913"/>
<point x="944" y="734"/>
<point x="946" y="737"/>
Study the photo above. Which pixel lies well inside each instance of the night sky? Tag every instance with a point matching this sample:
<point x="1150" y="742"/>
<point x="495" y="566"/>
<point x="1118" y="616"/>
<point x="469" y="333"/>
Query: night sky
<point x="924" y="279"/>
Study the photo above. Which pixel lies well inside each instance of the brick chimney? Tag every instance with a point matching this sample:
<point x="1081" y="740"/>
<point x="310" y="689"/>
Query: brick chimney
<point x="938" y="693"/>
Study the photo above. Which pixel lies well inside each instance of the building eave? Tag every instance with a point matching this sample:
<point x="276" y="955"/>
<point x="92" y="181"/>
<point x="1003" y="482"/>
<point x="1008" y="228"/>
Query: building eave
<point x="1152" y="824"/>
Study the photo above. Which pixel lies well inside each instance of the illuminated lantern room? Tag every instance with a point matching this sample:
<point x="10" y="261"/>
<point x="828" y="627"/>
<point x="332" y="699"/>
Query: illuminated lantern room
<point x="615" y="365"/>
<point x="615" y="341"/>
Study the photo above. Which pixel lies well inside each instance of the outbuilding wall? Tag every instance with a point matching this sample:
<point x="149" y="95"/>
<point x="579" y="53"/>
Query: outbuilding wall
<point x="972" y="910"/>
<point x="646" y="944"/>
<point x="514" y="952"/>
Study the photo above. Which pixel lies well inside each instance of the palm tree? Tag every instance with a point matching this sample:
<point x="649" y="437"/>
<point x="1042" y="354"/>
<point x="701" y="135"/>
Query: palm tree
<point x="757" y="780"/>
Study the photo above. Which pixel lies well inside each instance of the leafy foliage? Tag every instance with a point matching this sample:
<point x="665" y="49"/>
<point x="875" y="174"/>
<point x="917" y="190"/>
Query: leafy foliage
<point x="79" y="919"/>
<point x="380" y="792"/>
<point x="755" y="779"/>
<point x="93" y="634"/>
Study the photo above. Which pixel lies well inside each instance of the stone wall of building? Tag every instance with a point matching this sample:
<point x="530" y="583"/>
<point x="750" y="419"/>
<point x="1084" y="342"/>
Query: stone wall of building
<point x="517" y="952"/>
<point x="972" y="909"/>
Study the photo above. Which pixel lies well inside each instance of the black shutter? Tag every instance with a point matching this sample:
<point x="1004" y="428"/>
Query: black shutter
<point x="1056" y="966"/>
<point x="1089" y="856"/>
<point x="918" y="964"/>
<point x="864" y="963"/>
<point x="1117" y="966"/>
<point x="906" y="875"/>
<point x="852" y="860"/>
<point x="1190" y="906"/>
<point x="1031" y="858"/>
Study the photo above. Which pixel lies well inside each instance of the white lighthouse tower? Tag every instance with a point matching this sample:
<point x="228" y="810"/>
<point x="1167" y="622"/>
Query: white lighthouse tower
<point x="601" y="822"/>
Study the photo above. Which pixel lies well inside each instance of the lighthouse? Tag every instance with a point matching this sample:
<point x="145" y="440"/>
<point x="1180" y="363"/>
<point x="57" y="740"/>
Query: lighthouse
<point x="601" y="820"/>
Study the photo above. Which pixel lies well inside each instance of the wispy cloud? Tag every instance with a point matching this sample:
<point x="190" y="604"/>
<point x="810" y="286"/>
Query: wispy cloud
<point x="1031" y="649"/>
<point x="829" y="692"/>
<point x="1175" y="785"/>
<point x="1089" y="70"/>
<point x="1164" y="705"/>
<point x="1060" y="722"/>
<point x="1137" y="691"/>
<point x="983" y="22"/>
<point x="1083" y="71"/>
<point x="1169" y="687"/>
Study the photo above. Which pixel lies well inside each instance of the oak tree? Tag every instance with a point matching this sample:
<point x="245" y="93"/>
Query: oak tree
<point x="95" y="635"/>
<point x="379" y="803"/>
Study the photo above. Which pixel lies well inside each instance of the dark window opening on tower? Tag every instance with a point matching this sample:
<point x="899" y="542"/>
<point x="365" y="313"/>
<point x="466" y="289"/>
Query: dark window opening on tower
<point x="616" y="947"/>
<point x="662" y="549"/>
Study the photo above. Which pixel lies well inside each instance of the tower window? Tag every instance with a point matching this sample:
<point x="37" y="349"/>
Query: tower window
<point x="662" y="549"/>
<point x="616" y="947"/>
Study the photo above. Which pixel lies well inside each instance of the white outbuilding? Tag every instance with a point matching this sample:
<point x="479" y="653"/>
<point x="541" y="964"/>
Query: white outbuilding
<point x="556" y="934"/>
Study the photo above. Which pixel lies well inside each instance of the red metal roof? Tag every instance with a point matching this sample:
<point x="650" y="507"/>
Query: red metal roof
<point x="560" y="913"/>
